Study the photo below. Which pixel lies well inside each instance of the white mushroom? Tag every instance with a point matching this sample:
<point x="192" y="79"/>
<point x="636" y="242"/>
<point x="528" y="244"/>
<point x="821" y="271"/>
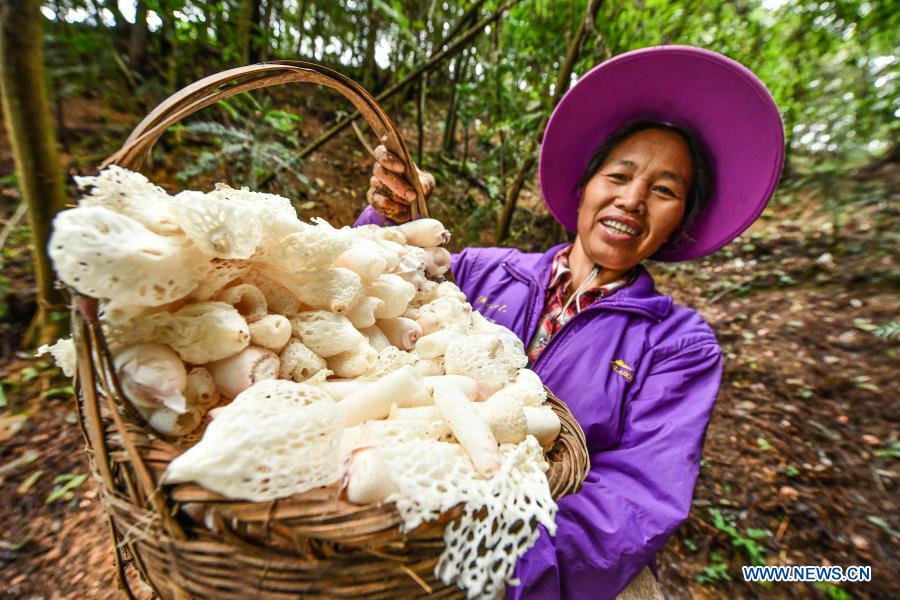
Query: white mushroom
<point x="373" y="248"/>
<point x="219" y="228"/>
<point x="425" y="233"/>
<point x="449" y="312"/>
<point x="484" y="358"/>
<point x="246" y="299"/>
<point x="63" y="353"/>
<point x="376" y="337"/>
<point x="434" y="344"/>
<point x="470" y="429"/>
<point x="171" y="423"/>
<point x="368" y="479"/>
<point x="401" y="332"/>
<point x="201" y="391"/>
<point x="437" y="261"/>
<point x="103" y="254"/>
<point x="309" y="248"/>
<point x="326" y="333"/>
<point x="130" y="194"/>
<point x="394" y="291"/>
<point x="218" y="274"/>
<point x="299" y="363"/>
<point x="543" y="423"/>
<point x="411" y="312"/>
<point x="363" y="314"/>
<point x="236" y="373"/>
<point x="429" y="323"/>
<point x="279" y="298"/>
<point x="361" y="260"/>
<point x="152" y="376"/>
<point x="505" y="417"/>
<point x="374" y="401"/>
<point x="415" y="413"/>
<point x="425" y="293"/>
<point x="334" y="290"/>
<point x="341" y="388"/>
<point x="430" y="367"/>
<point x="271" y="331"/>
<point x="353" y="363"/>
<point x="200" y="333"/>
<point x="527" y="389"/>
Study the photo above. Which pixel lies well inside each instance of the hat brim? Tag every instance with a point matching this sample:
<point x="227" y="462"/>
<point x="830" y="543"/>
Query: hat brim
<point x="719" y="99"/>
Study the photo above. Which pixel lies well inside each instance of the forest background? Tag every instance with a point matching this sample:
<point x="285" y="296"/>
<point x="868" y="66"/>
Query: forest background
<point x="801" y="460"/>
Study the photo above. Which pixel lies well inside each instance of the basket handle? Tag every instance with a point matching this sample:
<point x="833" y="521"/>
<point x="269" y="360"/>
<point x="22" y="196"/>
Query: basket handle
<point x="225" y="84"/>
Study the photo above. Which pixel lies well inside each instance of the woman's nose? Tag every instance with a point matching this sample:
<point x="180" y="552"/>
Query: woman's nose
<point x="632" y="197"/>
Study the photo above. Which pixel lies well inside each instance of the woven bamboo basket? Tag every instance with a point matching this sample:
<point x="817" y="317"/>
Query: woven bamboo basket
<point x="188" y="542"/>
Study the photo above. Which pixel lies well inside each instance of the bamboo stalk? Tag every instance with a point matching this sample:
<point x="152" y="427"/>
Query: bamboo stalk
<point x="565" y="74"/>
<point x="417" y="72"/>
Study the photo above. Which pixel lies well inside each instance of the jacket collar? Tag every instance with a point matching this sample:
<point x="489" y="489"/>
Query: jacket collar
<point x="641" y="297"/>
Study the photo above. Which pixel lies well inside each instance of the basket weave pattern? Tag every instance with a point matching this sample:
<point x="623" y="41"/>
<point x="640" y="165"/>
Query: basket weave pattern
<point x="189" y="542"/>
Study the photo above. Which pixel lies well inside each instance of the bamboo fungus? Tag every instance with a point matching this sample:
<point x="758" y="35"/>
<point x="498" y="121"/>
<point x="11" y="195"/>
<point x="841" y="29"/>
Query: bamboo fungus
<point x="472" y="431"/>
<point x="401" y="332"/>
<point x="374" y="401"/>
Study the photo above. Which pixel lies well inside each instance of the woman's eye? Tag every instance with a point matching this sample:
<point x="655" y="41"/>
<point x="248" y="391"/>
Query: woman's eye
<point x="618" y="177"/>
<point x="664" y="190"/>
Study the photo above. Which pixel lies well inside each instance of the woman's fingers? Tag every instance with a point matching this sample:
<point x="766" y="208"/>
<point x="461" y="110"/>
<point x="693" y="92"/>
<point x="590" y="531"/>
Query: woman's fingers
<point x="426" y="179"/>
<point x="379" y="198"/>
<point x="388" y="159"/>
<point x="389" y="192"/>
<point x="401" y="189"/>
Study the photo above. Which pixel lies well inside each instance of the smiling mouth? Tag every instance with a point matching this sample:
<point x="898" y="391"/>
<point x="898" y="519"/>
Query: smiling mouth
<point x="620" y="227"/>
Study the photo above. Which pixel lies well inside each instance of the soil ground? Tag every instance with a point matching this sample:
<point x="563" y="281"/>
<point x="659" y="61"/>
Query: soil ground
<point x="801" y="458"/>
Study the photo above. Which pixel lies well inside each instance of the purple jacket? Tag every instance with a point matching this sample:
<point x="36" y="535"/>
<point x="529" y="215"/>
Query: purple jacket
<point x="640" y="374"/>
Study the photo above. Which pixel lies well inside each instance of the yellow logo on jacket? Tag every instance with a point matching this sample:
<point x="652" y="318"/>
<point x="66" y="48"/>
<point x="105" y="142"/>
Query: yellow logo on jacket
<point x="621" y="367"/>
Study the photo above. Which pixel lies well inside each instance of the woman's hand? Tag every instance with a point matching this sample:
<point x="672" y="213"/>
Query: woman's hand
<point x="389" y="193"/>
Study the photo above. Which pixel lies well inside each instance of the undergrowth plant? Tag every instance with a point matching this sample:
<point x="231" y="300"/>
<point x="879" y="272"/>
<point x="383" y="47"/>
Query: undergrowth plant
<point x="256" y="145"/>
<point x="744" y="542"/>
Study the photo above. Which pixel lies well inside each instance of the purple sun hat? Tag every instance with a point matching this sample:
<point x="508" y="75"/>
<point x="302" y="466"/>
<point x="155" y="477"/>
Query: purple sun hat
<point x="729" y="108"/>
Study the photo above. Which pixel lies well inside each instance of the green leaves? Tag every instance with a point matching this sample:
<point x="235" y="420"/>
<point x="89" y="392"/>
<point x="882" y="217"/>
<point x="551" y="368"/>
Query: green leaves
<point x="745" y="542"/>
<point x="65" y="484"/>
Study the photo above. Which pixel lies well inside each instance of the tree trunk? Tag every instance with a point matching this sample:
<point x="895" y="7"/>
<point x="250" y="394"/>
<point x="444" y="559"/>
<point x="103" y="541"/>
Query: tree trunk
<point x="301" y="24"/>
<point x="369" y="67"/>
<point x="448" y="144"/>
<point x="137" y="44"/>
<point x="420" y="119"/>
<point x="562" y="81"/>
<point x="433" y="61"/>
<point x="266" y="29"/>
<point x="498" y="101"/>
<point x="255" y="32"/>
<point x="242" y="30"/>
<point x="27" y="112"/>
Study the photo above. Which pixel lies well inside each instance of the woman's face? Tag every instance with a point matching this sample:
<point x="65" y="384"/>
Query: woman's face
<point x="635" y="200"/>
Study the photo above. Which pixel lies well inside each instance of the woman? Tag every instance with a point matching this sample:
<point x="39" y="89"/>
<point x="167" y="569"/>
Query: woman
<point x="690" y="150"/>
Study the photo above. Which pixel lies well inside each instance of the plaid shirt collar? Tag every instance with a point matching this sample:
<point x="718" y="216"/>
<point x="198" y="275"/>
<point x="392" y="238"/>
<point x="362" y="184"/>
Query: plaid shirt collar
<point x="556" y="313"/>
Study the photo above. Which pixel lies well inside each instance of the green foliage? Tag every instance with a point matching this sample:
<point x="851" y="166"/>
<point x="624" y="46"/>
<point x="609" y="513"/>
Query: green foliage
<point x="257" y="145"/>
<point x="5" y="291"/>
<point x="744" y="542"/>
<point x="715" y="572"/>
<point x="833" y="591"/>
<point x="64" y="486"/>
<point x="831" y="66"/>
<point x="888" y="331"/>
